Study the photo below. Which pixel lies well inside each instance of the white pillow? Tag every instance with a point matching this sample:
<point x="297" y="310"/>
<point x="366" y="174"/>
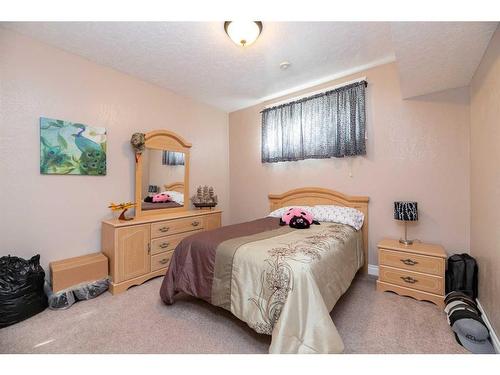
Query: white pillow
<point x="176" y="196"/>
<point x="280" y="211"/>
<point x="338" y="214"/>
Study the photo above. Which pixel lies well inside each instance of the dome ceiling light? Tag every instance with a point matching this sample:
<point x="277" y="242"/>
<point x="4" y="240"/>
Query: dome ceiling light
<point x="243" y="33"/>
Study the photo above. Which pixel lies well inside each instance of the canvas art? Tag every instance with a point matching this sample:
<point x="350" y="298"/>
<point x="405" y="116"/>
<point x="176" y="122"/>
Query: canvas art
<point x="71" y="148"/>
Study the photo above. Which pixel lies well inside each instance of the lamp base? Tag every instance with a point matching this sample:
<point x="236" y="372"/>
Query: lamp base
<point x="406" y="242"/>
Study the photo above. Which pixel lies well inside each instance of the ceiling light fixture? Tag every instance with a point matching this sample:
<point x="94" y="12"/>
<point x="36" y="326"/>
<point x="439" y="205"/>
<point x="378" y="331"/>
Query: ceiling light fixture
<point x="243" y="33"/>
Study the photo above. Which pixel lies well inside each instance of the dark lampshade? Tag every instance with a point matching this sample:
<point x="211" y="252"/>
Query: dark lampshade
<point x="406" y="211"/>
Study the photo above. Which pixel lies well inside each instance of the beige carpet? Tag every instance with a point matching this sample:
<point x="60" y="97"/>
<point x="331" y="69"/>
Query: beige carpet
<point x="138" y="322"/>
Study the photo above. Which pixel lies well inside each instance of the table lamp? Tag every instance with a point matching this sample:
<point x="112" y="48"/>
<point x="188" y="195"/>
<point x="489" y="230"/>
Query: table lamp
<point x="406" y="211"/>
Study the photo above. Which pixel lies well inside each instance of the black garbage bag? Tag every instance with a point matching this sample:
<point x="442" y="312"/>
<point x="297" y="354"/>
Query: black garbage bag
<point x="21" y="289"/>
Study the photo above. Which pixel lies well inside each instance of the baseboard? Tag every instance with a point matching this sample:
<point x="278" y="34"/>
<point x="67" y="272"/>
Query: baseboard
<point x="372" y="270"/>
<point x="493" y="335"/>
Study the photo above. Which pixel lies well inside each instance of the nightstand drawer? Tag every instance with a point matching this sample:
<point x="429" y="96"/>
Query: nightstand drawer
<point x="412" y="262"/>
<point x="414" y="280"/>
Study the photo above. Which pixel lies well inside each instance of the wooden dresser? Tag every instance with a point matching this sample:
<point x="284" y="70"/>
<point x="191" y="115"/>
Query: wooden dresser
<point x="415" y="270"/>
<point x="140" y="249"/>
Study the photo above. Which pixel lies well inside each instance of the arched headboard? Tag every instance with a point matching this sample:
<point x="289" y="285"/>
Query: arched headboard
<point x="310" y="196"/>
<point x="175" y="186"/>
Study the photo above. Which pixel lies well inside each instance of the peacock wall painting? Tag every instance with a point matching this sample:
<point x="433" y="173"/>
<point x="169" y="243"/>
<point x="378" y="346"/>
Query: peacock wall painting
<point x="71" y="148"/>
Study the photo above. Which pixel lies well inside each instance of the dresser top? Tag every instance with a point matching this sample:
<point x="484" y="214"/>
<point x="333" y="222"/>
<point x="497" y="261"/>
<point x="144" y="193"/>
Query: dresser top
<point x="416" y="248"/>
<point x="154" y="218"/>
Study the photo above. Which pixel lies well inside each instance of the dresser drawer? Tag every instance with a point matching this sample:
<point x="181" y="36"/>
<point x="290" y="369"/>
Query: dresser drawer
<point x="212" y="221"/>
<point x="164" y="228"/>
<point x="168" y="243"/>
<point x="412" y="262"/>
<point x="414" y="280"/>
<point x="161" y="260"/>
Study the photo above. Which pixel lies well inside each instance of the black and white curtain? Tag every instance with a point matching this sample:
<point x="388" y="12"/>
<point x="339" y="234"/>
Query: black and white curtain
<point x="172" y="158"/>
<point x="330" y="124"/>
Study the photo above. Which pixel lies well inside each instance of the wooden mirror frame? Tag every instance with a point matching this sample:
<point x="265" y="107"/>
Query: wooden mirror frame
<point x="166" y="141"/>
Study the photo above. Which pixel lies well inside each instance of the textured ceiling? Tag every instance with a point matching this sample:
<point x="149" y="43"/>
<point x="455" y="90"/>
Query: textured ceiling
<point x="198" y="60"/>
<point x="435" y="56"/>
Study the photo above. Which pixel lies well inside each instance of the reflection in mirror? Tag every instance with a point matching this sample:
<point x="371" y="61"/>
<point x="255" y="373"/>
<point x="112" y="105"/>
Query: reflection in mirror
<point x="162" y="179"/>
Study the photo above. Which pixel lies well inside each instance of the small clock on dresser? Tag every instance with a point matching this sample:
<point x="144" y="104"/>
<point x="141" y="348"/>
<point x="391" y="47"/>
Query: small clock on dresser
<point x="415" y="270"/>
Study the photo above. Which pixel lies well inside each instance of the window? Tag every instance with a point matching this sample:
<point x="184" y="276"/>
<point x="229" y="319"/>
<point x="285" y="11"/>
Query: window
<point x="172" y="158"/>
<point x="326" y="125"/>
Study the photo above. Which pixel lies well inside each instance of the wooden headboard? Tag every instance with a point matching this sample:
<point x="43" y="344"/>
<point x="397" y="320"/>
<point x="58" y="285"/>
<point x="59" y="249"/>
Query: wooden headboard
<point x="311" y="196"/>
<point x="175" y="186"/>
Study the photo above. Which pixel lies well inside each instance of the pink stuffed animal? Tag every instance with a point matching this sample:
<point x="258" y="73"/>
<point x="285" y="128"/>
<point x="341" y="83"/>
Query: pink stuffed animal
<point x="298" y="218"/>
<point x="161" y="198"/>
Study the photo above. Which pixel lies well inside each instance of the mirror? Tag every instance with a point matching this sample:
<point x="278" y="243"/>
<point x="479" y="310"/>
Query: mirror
<point x="162" y="179"/>
<point x="162" y="174"/>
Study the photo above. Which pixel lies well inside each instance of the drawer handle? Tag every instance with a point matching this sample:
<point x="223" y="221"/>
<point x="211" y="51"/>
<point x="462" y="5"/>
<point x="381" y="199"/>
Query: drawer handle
<point x="164" y="229"/>
<point x="195" y="223"/>
<point x="409" y="279"/>
<point x="164" y="261"/>
<point x="164" y="245"/>
<point x="409" y="262"/>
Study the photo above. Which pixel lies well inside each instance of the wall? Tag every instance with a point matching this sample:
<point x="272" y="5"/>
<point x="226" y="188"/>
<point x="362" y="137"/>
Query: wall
<point x="59" y="216"/>
<point x="155" y="173"/>
<point x="416" y="150"/>
<point x="485" y="178"/>
<point x="160" y="174"/>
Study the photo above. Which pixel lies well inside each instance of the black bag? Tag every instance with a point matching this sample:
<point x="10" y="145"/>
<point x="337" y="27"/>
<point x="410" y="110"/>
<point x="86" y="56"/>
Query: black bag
<point x="462" y="275"/>
<point x="21" y="289"/>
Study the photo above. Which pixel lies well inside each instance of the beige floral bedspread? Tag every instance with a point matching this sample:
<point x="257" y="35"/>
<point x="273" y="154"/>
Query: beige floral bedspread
<point x="285" y="282"/>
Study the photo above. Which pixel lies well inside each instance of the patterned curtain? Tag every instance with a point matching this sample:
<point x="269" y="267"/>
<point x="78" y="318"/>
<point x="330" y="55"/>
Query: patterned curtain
<point x="172" y="158"/>
<point x="330" y="124"/>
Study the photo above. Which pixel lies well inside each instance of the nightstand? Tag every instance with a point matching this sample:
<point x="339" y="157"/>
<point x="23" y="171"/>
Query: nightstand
<point x="415" y="270"/>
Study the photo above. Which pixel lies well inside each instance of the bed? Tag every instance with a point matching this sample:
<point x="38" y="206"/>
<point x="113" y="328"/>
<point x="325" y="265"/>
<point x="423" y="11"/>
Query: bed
<point x="147" y="206"/>
<point x="280" y="281"/>
<point x="177" y="188"/>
